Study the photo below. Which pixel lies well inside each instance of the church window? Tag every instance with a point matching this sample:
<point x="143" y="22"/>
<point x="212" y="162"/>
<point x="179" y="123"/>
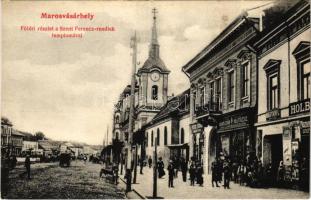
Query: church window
<point x="154" y="92"/>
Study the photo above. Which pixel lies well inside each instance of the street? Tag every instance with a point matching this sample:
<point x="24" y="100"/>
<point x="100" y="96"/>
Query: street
<point x="183" y="190"/>
<point x="79" y="181"/>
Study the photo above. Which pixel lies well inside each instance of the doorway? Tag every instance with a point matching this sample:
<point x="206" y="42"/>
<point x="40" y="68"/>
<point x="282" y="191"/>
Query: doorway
<point x="274" y="151"/>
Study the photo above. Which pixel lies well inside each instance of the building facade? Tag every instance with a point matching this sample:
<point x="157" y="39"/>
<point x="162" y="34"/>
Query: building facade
<point x="224" y="94"/>
<point x="169" y="129"/>
<point x="283" y="123"/>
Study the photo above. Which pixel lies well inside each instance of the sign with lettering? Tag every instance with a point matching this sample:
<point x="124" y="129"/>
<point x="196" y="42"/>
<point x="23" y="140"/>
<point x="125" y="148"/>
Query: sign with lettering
<point x="273" y="114"/>
<point x="299" y="107"/>
<point x="197" y="128"/>
<point x="234" y="121"/>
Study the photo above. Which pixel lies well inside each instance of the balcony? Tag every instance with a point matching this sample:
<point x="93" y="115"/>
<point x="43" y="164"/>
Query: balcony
<point x="209" y="109"/>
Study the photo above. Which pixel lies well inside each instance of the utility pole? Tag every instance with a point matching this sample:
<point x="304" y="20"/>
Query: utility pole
<point x="131" y="117"/>
<point x="155" y="170"/>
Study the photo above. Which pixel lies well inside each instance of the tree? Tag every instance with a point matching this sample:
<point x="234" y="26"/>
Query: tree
<point x="39" y="135"/>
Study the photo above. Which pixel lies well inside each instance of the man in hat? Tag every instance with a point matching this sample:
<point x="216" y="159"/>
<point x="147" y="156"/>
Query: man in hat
<point x="171" y="173"/>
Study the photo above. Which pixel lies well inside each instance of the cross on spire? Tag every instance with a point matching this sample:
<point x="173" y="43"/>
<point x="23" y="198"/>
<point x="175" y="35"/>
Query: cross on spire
<point x="154" y="46"/>
<point x="154" y="11"/>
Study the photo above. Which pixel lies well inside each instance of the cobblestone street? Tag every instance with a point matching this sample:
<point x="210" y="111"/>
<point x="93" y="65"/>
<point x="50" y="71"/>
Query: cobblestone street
<point x="79" y="181"/>
<point x="183" y="190"/>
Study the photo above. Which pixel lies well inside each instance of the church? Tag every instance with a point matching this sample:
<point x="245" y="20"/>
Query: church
<point x="157" y="115"/>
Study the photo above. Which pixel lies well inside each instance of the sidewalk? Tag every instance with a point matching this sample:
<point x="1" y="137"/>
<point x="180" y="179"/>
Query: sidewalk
<point x="183" y="190"/>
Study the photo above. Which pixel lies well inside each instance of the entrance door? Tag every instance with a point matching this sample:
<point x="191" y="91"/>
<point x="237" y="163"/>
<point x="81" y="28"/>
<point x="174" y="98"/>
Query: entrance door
<point x="276" y="151"/>
<point x="214" y="148"/>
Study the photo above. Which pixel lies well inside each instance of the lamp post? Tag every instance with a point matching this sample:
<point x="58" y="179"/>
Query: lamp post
<point x="131" y="116"/>
<point x="155" y="169"/>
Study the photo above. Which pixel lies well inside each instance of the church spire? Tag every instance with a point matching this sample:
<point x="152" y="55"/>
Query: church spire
<point x="154" y="46"/>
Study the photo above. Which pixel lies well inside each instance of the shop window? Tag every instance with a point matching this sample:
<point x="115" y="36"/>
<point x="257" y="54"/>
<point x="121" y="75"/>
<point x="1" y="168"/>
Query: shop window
<point x="182" y="136"/>
<point x="165" y="135"/>
<point x="231" y="86"/>
<point x="158" y="136"/>
<point x="273" y="87"/>
<point x="154" y="92"/>
<point x="152" y="138"/>
<point x="302" y="55"/>
<point x="245" y="75"/>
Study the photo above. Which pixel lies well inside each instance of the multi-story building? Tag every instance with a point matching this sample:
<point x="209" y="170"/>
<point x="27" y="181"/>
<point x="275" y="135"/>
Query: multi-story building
<point x="224" y="94"/>
<point x="11" y="139"/>
<point x="284" y="87"/>
<point x="6" y="133"/>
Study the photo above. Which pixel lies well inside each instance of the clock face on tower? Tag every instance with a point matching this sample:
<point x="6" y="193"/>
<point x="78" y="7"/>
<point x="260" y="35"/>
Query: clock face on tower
<point x="155" y="76"/>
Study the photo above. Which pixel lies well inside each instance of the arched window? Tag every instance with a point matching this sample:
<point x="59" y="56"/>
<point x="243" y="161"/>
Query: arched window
<point x="158" y="136"/>
<point x="154" y="92"/>
<point x="165" y="135"/>
<point x="151" y="138"/>
<point x="182" y="136"/>
<point x="117" y="119"/>
<point x="117" y="135"/>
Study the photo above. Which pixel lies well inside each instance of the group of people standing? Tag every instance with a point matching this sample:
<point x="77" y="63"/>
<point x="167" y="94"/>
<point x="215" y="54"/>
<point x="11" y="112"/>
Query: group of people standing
<point x="175" y="165"/>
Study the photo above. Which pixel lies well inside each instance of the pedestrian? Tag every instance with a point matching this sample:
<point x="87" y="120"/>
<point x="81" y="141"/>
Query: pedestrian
<point x="27" y="165"/>
<point x="192" y="174"/>
<point x="184" y="169"/>
<point x="160" y="166"/>
<point x="280" y="175"/>
<point x="141" y="166"/>
<point x="150" y="161"/>
<point x="214" y="174"/>
<point x="269" y="175"/>
<point x="219" y="169"/>
<point x="171" y="172"/>
<point x="115" y="173"/>
<point x="199" y="174"/>
<point x="260" y="175"/>
<point x="227" y="175"/>
<point x="177" y="163"/>
<point x="14" y="161"/>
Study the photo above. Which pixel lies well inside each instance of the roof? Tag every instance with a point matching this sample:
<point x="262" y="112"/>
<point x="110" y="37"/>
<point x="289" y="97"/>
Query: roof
<point x="49" y="144"/>
<point x="153" y="63"/>
<point x="179" y="105"/>
<point x="17" y="133"/>
<point x="27" y="136"/>
<point x="6" y="121"/>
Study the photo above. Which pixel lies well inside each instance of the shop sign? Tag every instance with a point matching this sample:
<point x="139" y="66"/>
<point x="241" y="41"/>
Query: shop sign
<point x="273" y="114"/>
<point x="287" y="143"/>
<point x="299" y="107"/>
<point x="197" y="128"/>
<point x="232" y="122"/>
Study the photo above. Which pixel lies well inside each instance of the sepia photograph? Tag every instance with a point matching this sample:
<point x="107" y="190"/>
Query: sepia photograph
<point x="155" y="99"/>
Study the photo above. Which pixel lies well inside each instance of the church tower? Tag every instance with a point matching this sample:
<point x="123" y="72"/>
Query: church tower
<point x="153" y="75"/>
<point x="153" y="79"/>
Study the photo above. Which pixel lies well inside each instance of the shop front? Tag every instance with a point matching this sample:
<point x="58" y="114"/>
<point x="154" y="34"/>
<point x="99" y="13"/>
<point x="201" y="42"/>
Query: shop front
<point x="236" y="135"/>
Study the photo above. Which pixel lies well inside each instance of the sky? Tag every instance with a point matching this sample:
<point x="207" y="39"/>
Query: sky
<point x="67" y="88"/>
